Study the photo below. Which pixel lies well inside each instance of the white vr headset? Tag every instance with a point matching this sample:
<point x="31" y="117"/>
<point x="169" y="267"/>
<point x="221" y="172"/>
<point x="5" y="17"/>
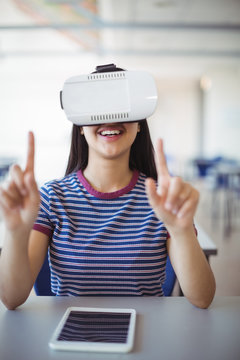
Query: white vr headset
<point x="109" y="96"/>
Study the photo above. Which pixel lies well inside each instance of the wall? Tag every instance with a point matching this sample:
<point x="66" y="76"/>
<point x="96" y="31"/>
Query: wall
<point x="29" y="100"/>
<point x="222" y="113"/>
<point x="177" y="119"/>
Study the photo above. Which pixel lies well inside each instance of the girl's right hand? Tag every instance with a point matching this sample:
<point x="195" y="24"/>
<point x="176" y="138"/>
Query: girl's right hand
<point x="19" y="198"/>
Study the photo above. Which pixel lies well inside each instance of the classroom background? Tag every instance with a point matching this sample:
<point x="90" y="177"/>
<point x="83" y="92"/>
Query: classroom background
<point x="191" y="47"/>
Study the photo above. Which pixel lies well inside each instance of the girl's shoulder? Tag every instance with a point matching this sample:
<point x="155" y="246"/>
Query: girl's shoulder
<point x="66" y="183"/>
<point x="141" y="180"/>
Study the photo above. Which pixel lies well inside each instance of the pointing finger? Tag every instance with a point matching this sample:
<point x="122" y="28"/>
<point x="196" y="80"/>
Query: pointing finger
<point x="161" y="162"/>
<point x="30" y="153"/>
<point x="162" y="169"/>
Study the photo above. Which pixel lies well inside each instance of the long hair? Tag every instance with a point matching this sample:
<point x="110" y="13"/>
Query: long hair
<point x="141" y="153"/>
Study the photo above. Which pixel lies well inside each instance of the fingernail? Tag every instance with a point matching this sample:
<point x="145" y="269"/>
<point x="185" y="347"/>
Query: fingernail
<point x="179" y="215"/>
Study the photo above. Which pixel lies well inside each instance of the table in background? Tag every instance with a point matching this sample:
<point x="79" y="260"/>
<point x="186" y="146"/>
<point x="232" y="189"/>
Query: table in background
<point x="208" y="246"/>
<point x="227" y="178"/>
<point x="5" y="163"/>
<point x="166" y="328"/>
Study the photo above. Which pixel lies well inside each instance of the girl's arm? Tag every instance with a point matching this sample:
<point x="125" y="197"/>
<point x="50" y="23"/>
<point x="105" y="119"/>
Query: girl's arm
<point x="174" y="202"/>
<point x="20" y="262"/>
<point x="19" y="204"/>
<point x="191" y="267"/>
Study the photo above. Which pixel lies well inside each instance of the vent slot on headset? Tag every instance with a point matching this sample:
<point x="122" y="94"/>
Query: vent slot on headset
<point x="103" y="76"/>
<point x="107" y="117"/>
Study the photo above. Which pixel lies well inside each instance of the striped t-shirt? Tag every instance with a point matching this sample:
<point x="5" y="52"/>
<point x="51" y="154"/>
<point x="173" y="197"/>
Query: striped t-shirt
<point x="102" y="243"/>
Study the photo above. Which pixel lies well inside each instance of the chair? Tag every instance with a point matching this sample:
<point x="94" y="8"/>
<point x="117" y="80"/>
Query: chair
<point x="170" y="280"/>
<point x="42" y="284"/>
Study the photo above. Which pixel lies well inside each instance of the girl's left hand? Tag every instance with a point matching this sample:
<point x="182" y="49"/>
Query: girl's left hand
<point x="173" y="200"/>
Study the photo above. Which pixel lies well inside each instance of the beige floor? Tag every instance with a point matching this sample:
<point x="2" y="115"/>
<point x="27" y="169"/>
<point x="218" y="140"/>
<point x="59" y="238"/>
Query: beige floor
<point x="226" y="265"/>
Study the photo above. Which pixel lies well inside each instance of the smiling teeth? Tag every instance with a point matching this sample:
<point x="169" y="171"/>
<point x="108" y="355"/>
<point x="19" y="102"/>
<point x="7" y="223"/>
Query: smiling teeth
<point x="110" y="132"/>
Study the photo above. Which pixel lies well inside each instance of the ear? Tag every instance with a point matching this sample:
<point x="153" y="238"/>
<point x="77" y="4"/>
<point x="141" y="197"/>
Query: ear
<point x="139" y="128"/>
<point x="81" y="131"/>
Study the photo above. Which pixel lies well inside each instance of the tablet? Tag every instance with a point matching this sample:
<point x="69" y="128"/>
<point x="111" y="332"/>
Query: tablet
<point x="95" y="329"/>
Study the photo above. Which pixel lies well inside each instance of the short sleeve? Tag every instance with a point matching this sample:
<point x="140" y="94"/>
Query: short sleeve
<point x="43" y="222"/>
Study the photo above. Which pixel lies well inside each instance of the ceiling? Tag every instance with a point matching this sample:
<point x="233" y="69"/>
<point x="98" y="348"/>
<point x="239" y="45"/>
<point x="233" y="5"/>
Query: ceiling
<point x="157" y="28"/>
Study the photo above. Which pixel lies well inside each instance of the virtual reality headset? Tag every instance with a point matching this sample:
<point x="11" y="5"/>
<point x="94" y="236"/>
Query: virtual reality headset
<point x="109" y="96"/>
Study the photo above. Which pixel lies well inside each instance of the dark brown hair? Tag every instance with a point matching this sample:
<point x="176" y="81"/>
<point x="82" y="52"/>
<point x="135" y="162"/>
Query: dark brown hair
<point x="141" y="154"/>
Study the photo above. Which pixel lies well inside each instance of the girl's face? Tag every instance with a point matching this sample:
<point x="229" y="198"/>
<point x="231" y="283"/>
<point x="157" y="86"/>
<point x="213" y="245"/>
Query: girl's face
<point x="110" y="140"/>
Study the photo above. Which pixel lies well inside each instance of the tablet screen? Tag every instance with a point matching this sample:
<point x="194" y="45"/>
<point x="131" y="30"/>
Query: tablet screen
<point x="95" y="329"/>
<point x="87" y="326"/>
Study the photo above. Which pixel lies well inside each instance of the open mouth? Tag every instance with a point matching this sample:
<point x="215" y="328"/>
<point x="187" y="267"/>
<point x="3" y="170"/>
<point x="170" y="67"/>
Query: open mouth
<point x="110" y="132"/>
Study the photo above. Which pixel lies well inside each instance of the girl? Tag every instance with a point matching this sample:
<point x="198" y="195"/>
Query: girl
<point x="109" y="223"/>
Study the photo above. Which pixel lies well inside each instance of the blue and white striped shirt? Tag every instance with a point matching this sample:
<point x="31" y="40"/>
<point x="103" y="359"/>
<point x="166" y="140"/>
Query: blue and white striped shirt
<point x="102" y="243"/>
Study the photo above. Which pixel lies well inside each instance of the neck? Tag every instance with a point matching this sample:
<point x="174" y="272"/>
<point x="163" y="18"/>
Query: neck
<point x="108" y="176"/>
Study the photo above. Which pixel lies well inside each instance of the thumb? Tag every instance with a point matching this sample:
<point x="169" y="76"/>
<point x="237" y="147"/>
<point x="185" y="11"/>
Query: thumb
<point x="151" y="190"/>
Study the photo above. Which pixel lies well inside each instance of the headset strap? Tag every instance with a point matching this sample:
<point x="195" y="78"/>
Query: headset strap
<point x="106" y="68"/>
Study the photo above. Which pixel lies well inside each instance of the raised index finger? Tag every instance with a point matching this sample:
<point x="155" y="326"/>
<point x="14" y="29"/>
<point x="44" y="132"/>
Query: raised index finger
<point x="30" y="153"/>
<point x="162" y="169"/>
<point x="161" y="162"/>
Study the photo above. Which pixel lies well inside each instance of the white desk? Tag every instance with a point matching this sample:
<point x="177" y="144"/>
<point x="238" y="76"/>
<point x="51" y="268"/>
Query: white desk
<point x="206" y="243"/>
<point x="166" y="328"/>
